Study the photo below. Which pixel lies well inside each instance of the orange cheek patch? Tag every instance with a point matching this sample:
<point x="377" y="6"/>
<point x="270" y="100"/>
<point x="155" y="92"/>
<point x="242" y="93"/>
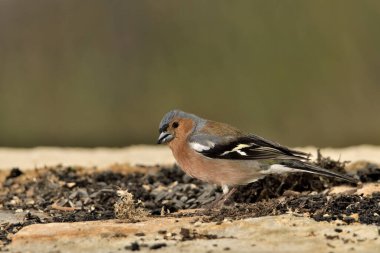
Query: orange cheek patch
<point x="185" y="126"/>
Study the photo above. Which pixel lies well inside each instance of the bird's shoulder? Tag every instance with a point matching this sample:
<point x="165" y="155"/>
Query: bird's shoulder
<point x="213" y="134"/>
<point x="219" y="129"/>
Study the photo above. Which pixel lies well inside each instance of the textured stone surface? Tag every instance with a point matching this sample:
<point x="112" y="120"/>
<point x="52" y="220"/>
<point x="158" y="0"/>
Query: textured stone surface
<point x="285" y="233"/>
<point x="86" y="157"/>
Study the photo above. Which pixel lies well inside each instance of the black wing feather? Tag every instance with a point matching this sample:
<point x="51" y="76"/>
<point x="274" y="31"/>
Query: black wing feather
<point x="252" y="147"/>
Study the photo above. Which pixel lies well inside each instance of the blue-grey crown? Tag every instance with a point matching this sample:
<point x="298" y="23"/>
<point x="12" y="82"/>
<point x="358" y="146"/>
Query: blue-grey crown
<point x="177" y="113"/>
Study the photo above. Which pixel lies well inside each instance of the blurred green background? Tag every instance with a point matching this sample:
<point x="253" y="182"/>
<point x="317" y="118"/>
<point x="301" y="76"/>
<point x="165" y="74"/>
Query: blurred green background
<point x="103" y="73"/>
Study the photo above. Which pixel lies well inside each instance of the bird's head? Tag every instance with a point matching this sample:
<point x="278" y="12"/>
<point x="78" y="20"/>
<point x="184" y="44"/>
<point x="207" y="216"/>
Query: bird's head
<point x="177" y="124"/>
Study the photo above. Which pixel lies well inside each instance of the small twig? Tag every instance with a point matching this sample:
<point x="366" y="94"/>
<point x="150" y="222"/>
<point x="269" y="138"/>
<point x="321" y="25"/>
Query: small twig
<point x="63" y="208"/>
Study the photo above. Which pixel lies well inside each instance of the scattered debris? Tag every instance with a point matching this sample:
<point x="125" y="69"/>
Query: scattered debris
<point x="127" y="209"/>
<point x="370" y="173"/>
<point x="331" y="237"/>
<point x="15" y="172"/>
<point x="135" y="246"/>
<point x="188" y="235"/>
<point x="158" y="245"/>
<point x="7" y="229"/>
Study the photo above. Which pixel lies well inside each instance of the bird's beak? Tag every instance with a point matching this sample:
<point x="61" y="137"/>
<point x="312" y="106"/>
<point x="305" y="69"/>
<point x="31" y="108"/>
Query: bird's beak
<point x="164" y="137"/>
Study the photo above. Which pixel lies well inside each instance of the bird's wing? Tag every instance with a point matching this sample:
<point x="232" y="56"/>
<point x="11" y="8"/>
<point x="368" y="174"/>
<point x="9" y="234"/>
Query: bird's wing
<point x="243" y="147"/>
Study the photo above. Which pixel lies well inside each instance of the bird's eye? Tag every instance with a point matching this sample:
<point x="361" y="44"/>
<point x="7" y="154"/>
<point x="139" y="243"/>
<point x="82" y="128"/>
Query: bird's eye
<point x="175" y="125"/>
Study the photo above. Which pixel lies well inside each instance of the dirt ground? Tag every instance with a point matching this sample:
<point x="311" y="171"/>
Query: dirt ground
<point x="66" y="194"/>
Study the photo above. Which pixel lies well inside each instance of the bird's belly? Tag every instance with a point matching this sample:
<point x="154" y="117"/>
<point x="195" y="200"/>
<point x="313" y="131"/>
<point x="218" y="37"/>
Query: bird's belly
<point x="222" y="172"/>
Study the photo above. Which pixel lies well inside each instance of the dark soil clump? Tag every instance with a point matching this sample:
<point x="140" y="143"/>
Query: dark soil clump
<point x="348" y="208"/>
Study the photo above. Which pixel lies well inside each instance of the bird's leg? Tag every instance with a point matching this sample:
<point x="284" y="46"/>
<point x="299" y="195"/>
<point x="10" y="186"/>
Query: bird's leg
<point x="223" y="198"/>
<point x="229" y="194"/>
<point x="283" y="180"/>
<point x="279" y="188"/>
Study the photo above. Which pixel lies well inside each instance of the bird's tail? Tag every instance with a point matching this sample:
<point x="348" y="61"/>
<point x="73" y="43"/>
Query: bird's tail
<point x="307" y="167"/>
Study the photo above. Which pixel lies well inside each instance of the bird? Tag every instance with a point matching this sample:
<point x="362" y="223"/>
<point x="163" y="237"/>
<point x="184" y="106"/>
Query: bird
<point x="221" y="154"/>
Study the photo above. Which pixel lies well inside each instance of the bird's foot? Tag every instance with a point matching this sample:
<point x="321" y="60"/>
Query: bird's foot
<point x="222" y="200"/>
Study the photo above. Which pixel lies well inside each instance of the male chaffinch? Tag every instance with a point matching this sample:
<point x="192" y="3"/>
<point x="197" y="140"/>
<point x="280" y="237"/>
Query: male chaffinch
<point x="221" y="154"/>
